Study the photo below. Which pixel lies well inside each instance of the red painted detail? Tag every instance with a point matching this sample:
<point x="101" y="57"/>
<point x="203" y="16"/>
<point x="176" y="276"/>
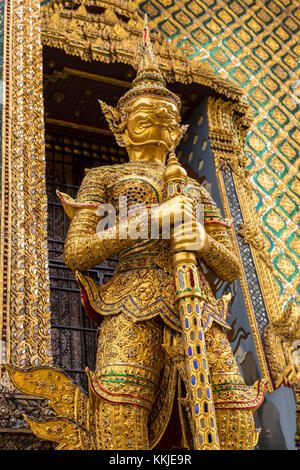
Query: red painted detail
<point x="192" y="279"/>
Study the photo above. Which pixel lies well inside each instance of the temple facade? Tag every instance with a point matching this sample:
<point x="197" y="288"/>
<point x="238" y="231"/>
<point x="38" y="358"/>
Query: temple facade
<point x="234" y="66"/>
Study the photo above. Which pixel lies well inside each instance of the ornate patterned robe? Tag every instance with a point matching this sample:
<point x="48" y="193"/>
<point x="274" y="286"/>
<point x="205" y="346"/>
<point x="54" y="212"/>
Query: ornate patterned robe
<point x="142" y="286"/>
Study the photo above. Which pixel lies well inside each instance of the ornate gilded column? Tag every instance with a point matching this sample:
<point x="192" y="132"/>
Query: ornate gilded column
<point x="25" y="298"/>
<point x="275" y="333"/>
<point x="297" y="398"/>
<point x="24" y="282"/>
<point x="228" y="124"/>
<point x="24" y="279"/>
<point x="282" y="346"/>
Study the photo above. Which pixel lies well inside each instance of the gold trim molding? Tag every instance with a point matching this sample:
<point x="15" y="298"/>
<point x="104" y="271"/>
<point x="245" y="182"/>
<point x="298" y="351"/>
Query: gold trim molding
<point x="70" y="72"/>
<point x="282" y="344"/>
<point x="81" y="127"/>
<point x="227" y="140"/>
<point x="246" y="294"/>
<point x="227" y="133"/>
<point x="106" y="37"/>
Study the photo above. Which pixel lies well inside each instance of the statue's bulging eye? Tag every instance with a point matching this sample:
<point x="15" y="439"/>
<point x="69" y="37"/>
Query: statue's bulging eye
<point x="143" y="123"/>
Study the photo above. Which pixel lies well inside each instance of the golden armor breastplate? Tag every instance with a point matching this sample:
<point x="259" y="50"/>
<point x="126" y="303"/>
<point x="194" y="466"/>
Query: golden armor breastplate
<point x="142" y="286"/>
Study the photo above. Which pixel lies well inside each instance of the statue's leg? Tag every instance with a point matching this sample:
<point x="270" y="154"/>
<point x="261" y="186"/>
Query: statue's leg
<point x="129" y="360"/>
<point x="232" y="397"/>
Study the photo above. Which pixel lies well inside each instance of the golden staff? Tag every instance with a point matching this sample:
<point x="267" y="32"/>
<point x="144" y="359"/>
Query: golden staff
<point x="190" y="301"/>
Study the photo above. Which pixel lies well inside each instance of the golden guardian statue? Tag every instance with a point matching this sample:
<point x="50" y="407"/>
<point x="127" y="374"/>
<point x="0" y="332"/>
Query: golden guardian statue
<point x="160" y="326"/>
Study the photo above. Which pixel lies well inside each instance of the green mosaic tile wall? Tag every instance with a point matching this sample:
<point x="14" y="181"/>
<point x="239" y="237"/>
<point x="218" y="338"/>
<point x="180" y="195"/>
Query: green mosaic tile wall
<point x="255" y="44"/>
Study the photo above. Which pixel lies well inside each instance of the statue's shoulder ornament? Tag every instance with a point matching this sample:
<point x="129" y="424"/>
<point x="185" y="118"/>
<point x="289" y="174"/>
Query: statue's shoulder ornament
<point x="91" y="192"/>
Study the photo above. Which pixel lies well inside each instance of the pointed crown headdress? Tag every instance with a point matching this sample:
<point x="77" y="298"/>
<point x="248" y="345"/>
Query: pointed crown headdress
<point x="148" y="81"/>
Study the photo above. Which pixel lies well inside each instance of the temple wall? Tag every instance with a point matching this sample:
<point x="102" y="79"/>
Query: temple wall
<point x="197" y="153"/>
<point x="277" y="415"/>
<point x="254" y="44"/>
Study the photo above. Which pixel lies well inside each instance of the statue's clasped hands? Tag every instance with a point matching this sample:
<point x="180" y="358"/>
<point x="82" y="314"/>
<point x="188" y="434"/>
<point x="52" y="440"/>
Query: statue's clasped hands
<point x="186" y="232"/>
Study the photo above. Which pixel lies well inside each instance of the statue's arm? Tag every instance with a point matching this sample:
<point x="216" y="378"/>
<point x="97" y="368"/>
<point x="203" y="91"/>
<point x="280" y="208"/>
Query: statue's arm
<point x="220" y="254"/>
<point x="220" y="257"/>
<point x="84" y="248"/>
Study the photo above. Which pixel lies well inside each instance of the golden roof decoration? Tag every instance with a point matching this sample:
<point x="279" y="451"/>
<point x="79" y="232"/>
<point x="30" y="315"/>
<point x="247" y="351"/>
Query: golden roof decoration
<point x="105" y="31"/>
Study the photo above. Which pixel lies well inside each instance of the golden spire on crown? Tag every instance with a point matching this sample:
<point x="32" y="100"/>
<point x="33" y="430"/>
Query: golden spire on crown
<point x="148" y="81"/>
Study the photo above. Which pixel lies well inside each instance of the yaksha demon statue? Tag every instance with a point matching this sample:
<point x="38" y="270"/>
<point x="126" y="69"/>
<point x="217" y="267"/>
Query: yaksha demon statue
<point x="159" y="324"/>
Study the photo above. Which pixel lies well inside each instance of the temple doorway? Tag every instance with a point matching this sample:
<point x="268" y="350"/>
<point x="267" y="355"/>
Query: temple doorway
<point x="77" y="137"/>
